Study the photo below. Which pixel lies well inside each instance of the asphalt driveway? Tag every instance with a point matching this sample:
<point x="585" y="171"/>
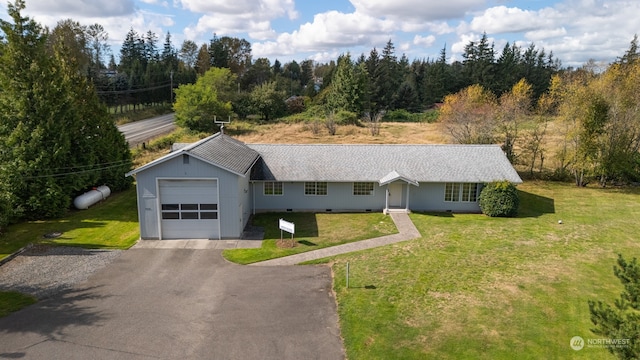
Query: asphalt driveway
<point x="182" y="304"/>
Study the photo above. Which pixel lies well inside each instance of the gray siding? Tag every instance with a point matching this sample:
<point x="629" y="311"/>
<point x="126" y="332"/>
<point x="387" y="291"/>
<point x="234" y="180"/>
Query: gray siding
<point x="426" y="197"/>
<point x="244" y="202"/>
<point x="339" y="198"/>
<point x="430" y="197"/>
<point x="229" y="194"/>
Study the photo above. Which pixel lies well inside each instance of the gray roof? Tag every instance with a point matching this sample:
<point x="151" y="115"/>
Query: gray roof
<point x="219" y="150"/>
<point x="383" y="163"/>
<point x="226" y="152"/>
<point x="348" y="163"/>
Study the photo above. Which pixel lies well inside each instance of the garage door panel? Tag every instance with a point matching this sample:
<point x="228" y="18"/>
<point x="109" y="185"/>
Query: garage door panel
<point x="189" y="209"/>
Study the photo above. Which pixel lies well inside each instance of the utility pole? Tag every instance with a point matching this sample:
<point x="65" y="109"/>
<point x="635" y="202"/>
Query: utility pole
<point x="171" y="89"/>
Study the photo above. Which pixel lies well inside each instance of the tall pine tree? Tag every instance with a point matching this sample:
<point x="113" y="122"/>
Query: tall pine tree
<point x="56" y="139"/>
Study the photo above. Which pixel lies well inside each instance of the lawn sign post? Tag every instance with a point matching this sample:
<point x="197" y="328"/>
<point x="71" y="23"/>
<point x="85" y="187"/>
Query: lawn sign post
<point x="288" y="227"/>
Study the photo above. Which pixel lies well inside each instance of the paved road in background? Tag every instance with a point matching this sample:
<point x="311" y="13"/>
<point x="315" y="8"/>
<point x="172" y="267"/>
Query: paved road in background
<point x="144" y="130"/>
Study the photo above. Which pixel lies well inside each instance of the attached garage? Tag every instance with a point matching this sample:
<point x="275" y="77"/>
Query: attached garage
<point x="189" y="209"/>
<point x="198" y="191"/>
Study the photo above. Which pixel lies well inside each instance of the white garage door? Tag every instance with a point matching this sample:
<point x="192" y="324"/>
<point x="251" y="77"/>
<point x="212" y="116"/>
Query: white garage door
<point x="189" y="209"/>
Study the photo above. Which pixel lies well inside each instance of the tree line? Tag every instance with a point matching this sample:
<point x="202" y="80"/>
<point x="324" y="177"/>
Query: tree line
<point x="146" y="72"/>
<point x="372" y="84"/>
<point x="594" y="114"/>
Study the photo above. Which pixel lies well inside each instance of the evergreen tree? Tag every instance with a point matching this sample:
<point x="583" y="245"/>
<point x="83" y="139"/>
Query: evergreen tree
<point x="150" y="47"/>
<point x="479" y="63"/>
<point x="56" y="139"/>
<point x="509" y="68"/>
<point x="169" y="55"/>
<point x="130" y="51"/>
<point x="277" y="67"/>
<point x="344" y="93"/>
<point x="373" y="63"/>
<point x="386" y="79"/>
<point x="621" y="321"/>
<point x="632" y="54"/>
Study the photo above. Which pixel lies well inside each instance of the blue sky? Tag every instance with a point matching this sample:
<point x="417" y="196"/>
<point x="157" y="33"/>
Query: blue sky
<point x="575" y="30"/>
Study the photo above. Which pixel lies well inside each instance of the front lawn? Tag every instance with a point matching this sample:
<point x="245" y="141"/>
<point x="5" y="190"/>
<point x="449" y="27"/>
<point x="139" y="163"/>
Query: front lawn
<point x="312" y="231"/>
<point x="111" y="224"/>
<point x="475" y="287"/>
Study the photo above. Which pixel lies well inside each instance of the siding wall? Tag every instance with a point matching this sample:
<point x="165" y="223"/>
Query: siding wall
<point x="339" y="198"/>
<point x="430" y="197"/>
<point x="231" y="194"/>
<point x="426" y="197"/>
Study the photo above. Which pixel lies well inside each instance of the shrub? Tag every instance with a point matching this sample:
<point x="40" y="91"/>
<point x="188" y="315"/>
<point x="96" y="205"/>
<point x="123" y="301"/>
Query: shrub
<point x="399" y="115"/>
<point x="402" y="115"/>
<point x="295" y="104"/>
<point x="499" y="199"/>
<point x="344" y="117"/>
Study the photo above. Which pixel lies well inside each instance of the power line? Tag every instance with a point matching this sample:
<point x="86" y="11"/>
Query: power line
<point x="120" y="162"/>
<point x="132" y="91"/>
<point x="74" y="172"/>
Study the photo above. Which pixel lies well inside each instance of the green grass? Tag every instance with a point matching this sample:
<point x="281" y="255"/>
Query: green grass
<point x="13" y="301"/>
<point x="313" y="231"/>
<point x="475" y="287"/>
<point x="111" y="224"/>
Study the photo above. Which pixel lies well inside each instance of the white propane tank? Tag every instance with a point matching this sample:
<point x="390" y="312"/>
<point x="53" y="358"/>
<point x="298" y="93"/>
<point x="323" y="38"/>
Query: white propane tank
<point x="91" y="197"/>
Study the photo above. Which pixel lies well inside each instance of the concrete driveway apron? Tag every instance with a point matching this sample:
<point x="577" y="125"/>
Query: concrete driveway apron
<point x="182" y="304"/>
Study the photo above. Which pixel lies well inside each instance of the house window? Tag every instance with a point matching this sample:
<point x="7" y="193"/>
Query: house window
<point x="272" y="188"/>
<point x="465" y="192"/>
<point x="469" y="192"/>
<point x="452" y="192"/>
<point x="315" y="188"/>
<point x="362" y="188"/>
<point x="189" y="211"/>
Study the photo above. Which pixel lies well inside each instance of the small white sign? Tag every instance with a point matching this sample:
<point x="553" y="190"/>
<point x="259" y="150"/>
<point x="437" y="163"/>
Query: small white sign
<point x="287" y="226"/>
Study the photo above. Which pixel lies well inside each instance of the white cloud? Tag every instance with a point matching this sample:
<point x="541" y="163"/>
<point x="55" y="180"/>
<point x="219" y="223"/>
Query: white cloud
<point x="417" y="9"/>
<point x="538" y="35"/>
<point x="262" y="9"/>
<point x="324" y="57"/>
<point x="237" y="16"/>
<point x="329" y="31"/>
<point x="501" y="19"/>
<point x="574" y="30"/>
<point x="426" y="41"/>
<point x="81" y="8"/>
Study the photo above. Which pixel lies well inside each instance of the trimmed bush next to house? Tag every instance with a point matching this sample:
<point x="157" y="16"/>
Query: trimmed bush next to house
<point x="499" y="199"/>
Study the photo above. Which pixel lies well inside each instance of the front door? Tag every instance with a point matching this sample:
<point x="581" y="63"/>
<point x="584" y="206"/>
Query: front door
<point x="395" y="195"/>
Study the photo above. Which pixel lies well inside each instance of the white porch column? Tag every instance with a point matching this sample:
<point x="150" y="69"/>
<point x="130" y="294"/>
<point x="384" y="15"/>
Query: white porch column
<point x="407" y="203"/>
<point x="386" y="200"/>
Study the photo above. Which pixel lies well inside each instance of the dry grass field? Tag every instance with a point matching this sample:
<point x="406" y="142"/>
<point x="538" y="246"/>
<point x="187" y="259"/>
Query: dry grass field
<point x="302" y="133"/>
